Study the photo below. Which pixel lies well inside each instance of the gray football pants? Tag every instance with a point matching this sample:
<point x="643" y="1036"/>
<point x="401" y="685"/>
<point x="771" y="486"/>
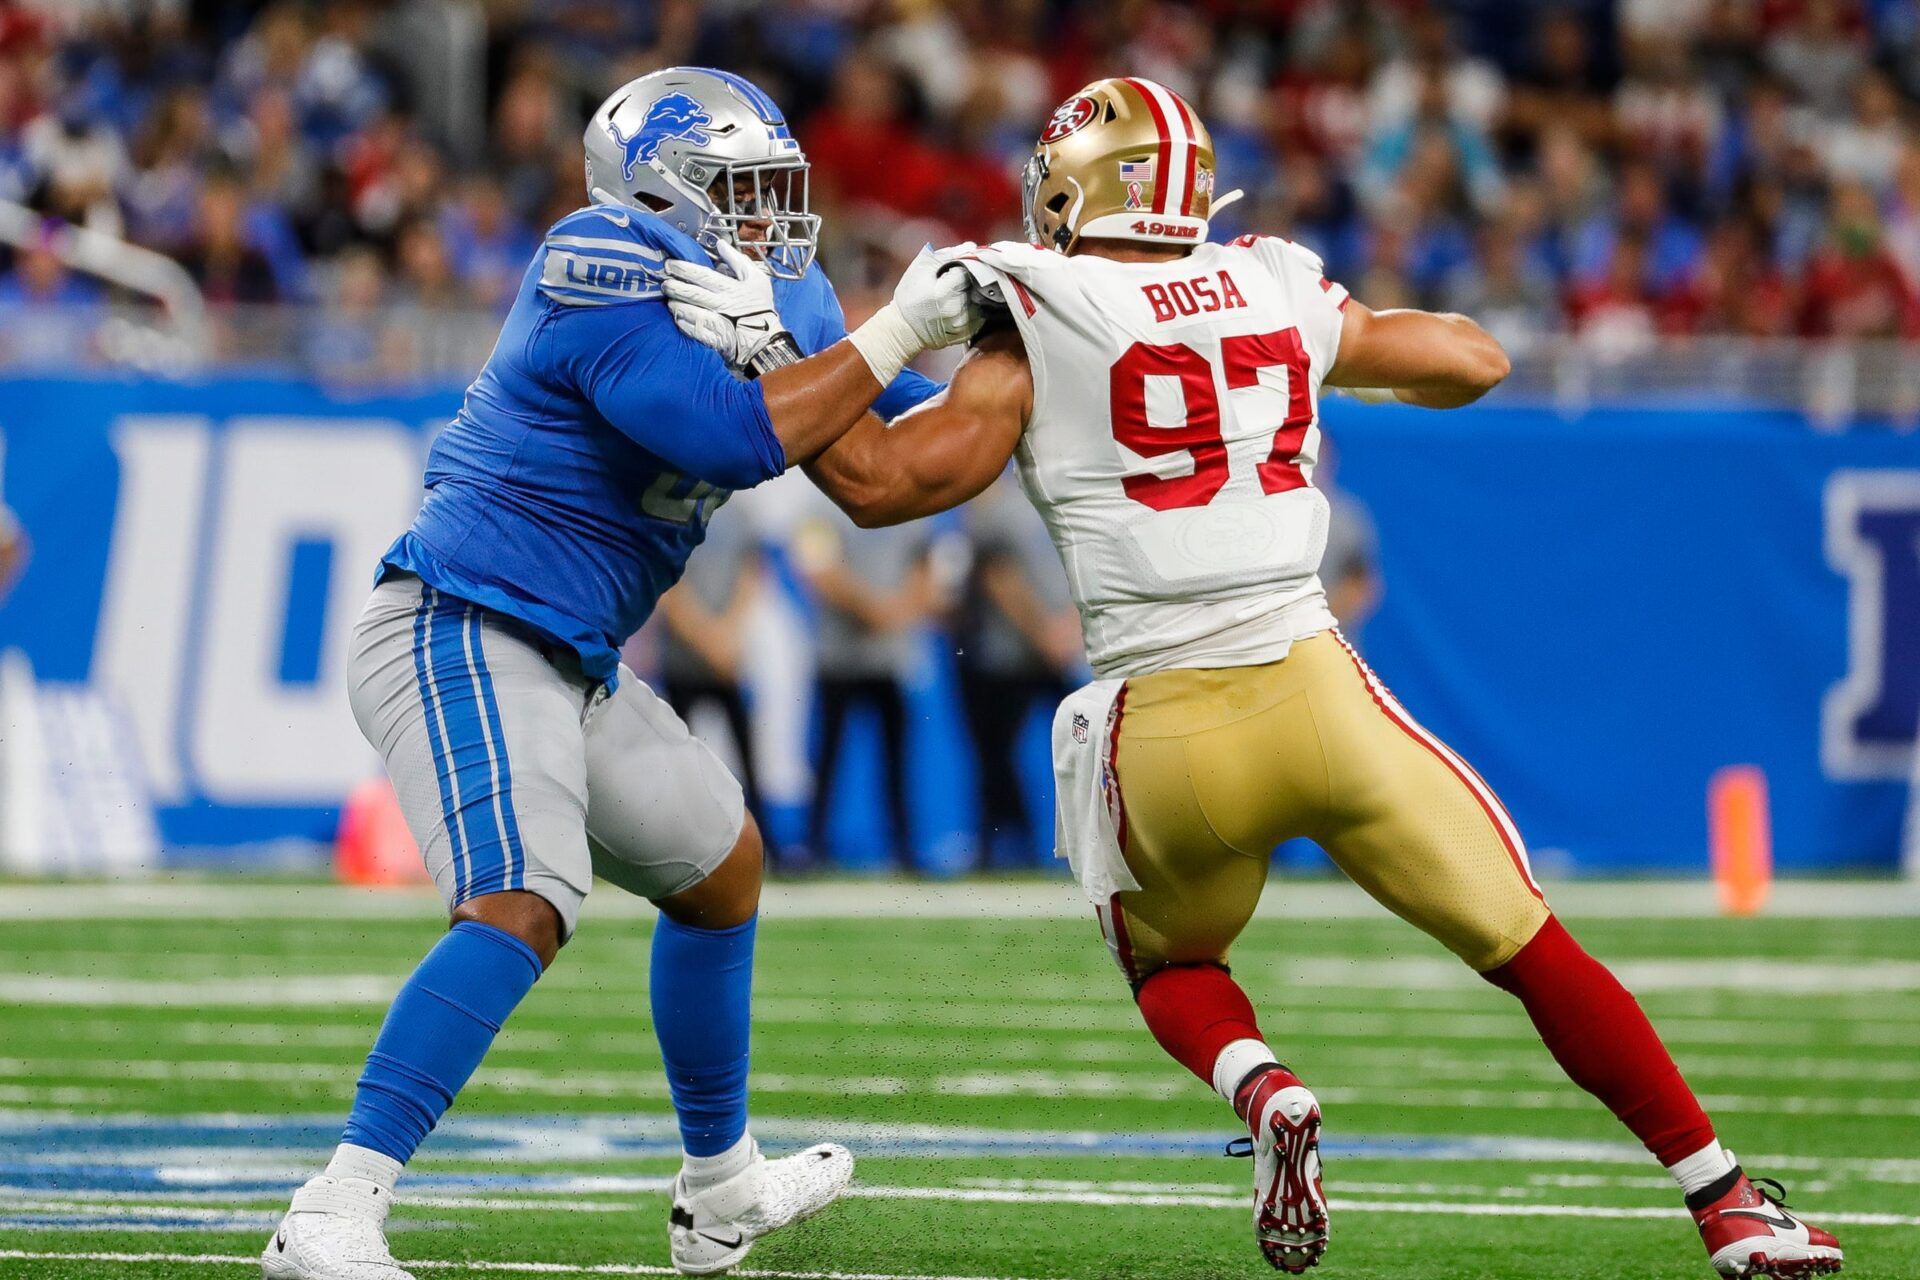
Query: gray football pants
<point x="517" y="771"/>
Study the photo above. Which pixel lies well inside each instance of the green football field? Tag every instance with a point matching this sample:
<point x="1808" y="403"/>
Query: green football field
<point x="174" y="1060"/>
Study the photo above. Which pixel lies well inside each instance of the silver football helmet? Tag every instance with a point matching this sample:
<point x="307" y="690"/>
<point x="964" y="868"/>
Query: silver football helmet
<point x="709" y="153"/>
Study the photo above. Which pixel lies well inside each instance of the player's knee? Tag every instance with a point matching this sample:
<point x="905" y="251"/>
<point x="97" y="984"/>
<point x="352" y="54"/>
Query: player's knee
<point x="730" y="893"/>
<point x="1490" y="943"/>
<point x="1139" y="980"/>
<point x="527" y="916"/>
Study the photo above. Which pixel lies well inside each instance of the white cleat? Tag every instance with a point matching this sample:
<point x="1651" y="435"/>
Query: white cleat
<point x="712" y="1229"/>
<point x="335" y="1230"/>
<point x="1289" y="1207"/>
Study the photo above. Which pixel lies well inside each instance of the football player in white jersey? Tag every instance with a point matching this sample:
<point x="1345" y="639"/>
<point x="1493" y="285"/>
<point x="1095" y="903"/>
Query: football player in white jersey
<point x="1160" y="394"/>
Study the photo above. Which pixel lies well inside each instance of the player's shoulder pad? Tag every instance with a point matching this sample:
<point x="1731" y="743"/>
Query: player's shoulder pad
<point x="1284" y="256"/>
<point x="605" y="255"/>
<point x="1282" y="248"/>
<point x="1010" y="261"/>
<point x="1019" y="256"/>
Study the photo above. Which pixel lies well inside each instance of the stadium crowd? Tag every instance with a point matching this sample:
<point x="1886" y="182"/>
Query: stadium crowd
<point x="1615" y="169"/>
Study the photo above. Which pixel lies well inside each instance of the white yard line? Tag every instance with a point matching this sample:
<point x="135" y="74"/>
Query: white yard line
<point x="525" y="1045"/>
<point x="185" y="899"/>
<point x="1134" y="1086"/>
<point x="207" y="1149"/>
<point x="529" y="1268"/>
<point x="1097" y="1196"/>
<point x="307" y="992"/>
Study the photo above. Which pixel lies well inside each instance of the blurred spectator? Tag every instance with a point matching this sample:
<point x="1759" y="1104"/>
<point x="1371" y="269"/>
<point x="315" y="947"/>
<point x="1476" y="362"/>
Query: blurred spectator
<point x="1855" y="287"/>
<point x="171" y="156"/>
<point x="1350" y="566"/>
<point x="219" y="253"/>
<point x="348" y="342"/>
<point x="1903" y="214"/>
<point x="47" y="313"/>
<point x="13" y="551"/>
<point x="488" y="244"/>
<point x="874" y="589"/>
<point x="1665" y="114"/>
<point x="75" y="162"/>
<point x="1819" y="53"/>
<point x="14" y="547"/>
<point x="1018" y="647"/>
<point x="1668" y="243"/>
<point x="1437" y="80"/>
<point x="1614" y="312"/>
<point x="864" y="149"/>
<point x="703" y="647"/>
<point x="1506" y="289"/>
<point x="1737" y="289"/>
<point x="1443" y="156"/>
<point x="1561" y="85"/>
<point x="1866" y="148"/>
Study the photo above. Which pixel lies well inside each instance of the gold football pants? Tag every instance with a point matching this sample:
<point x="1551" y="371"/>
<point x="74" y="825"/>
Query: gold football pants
<point x="1216" y="767"/>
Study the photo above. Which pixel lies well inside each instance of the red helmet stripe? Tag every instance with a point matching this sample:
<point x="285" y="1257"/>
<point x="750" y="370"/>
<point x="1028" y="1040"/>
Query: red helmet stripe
<point x="1160" y="175"/>
<point x="1193" y="151"/>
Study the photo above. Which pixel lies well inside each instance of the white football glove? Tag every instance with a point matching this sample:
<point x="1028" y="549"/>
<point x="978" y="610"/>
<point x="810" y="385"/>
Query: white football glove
<point x="734" y="314"/>
<point x="933" y="306"/>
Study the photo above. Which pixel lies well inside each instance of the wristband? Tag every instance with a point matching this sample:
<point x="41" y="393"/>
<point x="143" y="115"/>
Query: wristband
<point x="886" y="342"/>
<point x="777" y="352"/>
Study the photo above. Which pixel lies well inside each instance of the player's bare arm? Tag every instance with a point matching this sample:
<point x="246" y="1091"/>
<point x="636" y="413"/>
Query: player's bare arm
<point x="942" y="453"/>
<point x="812" y="402"/>
<point x="1427" y="359"/>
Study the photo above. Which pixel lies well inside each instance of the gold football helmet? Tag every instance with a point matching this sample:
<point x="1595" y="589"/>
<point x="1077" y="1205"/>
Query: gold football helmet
<point x="1125" y="159"/>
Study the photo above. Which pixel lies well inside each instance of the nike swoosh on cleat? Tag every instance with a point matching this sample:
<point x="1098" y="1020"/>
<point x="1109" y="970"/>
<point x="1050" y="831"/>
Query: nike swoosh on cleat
<point x="1777" y="1218"/>
<point x="280" y="1242"/>
<point x="725" y="1244"/>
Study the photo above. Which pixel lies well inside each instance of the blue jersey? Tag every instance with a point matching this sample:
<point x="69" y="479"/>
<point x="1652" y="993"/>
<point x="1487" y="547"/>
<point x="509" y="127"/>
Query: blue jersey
<point x="594" y="446"/>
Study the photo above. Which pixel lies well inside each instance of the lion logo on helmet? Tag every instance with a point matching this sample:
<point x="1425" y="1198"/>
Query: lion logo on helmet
<point x="1072" y="115"/>
<point x="676" y="115"/>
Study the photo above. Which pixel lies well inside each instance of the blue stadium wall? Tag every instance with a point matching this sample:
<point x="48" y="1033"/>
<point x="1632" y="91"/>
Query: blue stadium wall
<point x="1597" y="611"/>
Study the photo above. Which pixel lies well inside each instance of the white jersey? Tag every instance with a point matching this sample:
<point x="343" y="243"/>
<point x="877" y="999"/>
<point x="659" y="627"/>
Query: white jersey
<point x="1173" y="440"/>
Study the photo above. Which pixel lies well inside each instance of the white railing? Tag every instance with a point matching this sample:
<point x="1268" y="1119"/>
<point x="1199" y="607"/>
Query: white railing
<point x="1831" y="384"/>
<point x="172" y="339"/>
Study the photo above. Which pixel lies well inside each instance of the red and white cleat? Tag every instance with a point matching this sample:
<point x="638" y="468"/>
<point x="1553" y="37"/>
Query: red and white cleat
<point x="1749" y="1232"/>
<point x="1289" y="1208"/>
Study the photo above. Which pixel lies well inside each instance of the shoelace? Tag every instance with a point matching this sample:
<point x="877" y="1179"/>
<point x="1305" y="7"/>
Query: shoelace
<point x="1770" y="1190"/>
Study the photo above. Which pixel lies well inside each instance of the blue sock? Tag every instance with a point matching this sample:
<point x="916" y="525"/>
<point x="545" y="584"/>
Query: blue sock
<point x="440" y="1026"/>
<point x="701" y="988"/>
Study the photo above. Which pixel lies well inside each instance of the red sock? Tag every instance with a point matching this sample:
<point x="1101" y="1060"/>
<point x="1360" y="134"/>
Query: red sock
<point x="1597" y="1032"/>
<point x="1195" y="1011"/>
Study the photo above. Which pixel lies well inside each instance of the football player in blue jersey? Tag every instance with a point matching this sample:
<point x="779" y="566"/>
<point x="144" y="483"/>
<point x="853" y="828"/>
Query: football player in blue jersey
<point x="561" y="502"/>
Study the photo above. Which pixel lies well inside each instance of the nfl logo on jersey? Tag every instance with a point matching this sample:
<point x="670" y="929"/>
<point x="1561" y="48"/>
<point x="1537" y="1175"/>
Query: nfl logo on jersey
<point x="1081" y="726"/>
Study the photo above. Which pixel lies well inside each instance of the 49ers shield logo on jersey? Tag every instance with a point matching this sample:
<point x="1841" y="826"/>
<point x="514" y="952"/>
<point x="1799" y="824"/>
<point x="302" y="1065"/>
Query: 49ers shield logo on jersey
<point x="1072" y="115"/>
